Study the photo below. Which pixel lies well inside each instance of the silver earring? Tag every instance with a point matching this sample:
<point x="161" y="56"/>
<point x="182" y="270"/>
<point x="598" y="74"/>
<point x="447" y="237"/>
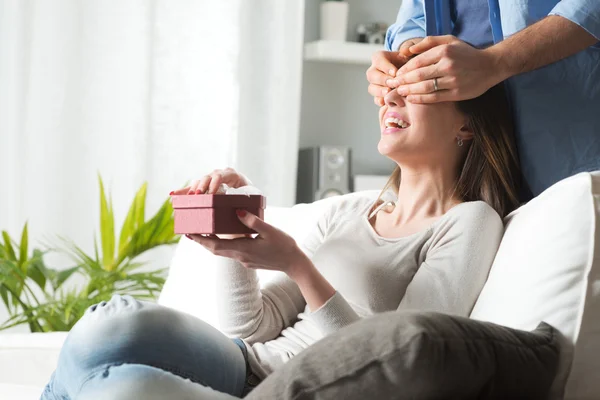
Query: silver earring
<point x="460" y="141"/>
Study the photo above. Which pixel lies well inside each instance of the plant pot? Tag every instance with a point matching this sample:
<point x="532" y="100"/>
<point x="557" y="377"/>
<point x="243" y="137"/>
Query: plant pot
<point x="334" y="20"/>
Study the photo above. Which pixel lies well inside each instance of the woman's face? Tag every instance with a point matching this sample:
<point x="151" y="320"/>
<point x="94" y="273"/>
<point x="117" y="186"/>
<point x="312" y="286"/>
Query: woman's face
<point x="419" y="133"/>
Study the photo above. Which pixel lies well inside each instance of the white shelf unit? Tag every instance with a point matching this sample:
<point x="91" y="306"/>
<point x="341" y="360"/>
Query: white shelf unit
<point x="340" y="52"/>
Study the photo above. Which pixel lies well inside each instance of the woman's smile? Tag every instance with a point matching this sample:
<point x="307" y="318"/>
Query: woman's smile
<point x="393" y="122"/>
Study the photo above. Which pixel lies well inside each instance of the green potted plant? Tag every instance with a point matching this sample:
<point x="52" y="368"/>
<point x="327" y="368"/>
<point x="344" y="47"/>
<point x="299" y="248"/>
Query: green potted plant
<point x="36" y="295"/>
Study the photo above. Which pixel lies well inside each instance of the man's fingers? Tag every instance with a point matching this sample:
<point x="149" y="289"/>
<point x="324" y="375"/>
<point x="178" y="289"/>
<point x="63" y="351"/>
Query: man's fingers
<point x="426" y="59"/>
<point x="404" y="49"/>
<point x="419" y="75"/>
<point x="424" y="87"/>
<point x="384" y="62"/>
<point x="379" y="101"/>
<point x="378" y="91"/>
<point x="436" y="97"/>
<point x="430" y="42"/>
<point x="376" y="77"/>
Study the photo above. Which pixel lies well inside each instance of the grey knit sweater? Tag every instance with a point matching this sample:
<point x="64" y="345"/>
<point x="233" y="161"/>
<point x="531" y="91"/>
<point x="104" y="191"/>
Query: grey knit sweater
<point x="442" y="268"/>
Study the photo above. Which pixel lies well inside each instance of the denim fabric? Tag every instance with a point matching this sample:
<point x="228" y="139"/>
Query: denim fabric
<point x="252" y="380"/>
<point x="129" y="349"/>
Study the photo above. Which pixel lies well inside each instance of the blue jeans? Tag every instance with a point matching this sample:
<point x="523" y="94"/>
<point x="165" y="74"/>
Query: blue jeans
<point x="129" y="349"/>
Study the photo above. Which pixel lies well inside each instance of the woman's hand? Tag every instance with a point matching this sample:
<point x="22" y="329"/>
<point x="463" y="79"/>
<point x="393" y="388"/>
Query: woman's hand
<point x="210" y="183"/>
<point x="272" y="249"/>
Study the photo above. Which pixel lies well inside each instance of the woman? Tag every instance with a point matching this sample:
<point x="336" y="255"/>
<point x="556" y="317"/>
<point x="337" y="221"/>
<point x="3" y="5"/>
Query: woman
<point x="430" y="249"/>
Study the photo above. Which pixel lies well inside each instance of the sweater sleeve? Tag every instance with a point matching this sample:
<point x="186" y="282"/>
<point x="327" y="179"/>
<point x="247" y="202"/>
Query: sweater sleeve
<point x="336" y="313"/>
<point x="457" y="263"/>
<point x="257" y="314"/>
<point x="248" y="312"/>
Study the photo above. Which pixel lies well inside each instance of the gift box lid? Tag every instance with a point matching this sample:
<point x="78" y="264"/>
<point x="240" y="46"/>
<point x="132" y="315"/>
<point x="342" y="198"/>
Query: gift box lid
<point x="218" y="200"/>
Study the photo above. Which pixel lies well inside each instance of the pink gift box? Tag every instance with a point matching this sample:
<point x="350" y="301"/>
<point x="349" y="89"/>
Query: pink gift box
<point x="214" y="213"/>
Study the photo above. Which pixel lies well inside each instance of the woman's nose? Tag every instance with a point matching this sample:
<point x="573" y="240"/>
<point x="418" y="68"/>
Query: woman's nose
<point x="393" y="99"/>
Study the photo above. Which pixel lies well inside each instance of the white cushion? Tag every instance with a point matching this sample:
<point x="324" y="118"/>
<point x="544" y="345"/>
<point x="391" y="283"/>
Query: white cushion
<point x="548" y="269"/>
<point x="189" y="287"/>
<point x="20" y="392"/>
<point x="29" y="359"/>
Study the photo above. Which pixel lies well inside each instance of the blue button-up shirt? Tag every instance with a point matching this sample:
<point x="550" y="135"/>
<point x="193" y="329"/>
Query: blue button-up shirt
<point x="471" y="22"/>
<point x="557" y="107"/>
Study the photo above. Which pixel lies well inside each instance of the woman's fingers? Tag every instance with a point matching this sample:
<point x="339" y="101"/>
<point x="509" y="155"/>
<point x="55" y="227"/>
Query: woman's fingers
<point x="211" y="183"/>
<point x="255" y="223"/>
<point x="215" y="181"/>
<point x="184" y="190"/>
<point x="203" y="185"/>
<point x="193" y="186"/>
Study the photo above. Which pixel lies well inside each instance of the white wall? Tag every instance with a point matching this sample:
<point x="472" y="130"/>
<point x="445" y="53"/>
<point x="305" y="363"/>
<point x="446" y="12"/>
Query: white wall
<point x="336" y="108"/>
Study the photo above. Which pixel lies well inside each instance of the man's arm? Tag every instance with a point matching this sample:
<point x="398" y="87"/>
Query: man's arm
<point x="540" y="44"/>
<point x="464" y="72"/>
<point x="410" y="24"/>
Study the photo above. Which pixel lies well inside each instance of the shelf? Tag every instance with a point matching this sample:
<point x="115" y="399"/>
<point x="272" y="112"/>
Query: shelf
<point x="340" y="52"/>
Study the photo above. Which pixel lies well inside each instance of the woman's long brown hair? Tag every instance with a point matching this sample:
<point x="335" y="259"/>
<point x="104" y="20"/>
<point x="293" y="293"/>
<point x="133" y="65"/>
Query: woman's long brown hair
<point x="490" y="171"/>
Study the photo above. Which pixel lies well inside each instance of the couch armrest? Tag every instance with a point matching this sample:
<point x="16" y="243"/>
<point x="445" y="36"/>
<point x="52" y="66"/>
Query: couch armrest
<point x="29" y="359"/>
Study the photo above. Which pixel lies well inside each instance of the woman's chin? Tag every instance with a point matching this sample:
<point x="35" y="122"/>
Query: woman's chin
<point x="386" y="148"/>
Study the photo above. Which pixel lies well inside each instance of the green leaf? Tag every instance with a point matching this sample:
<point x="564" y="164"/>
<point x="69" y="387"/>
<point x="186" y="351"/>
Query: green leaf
<point x="35" y="269"/>
<point x="107" y="229"/>
<point x="156" y="232"/>
<point x="23" y="248"/>
<point x="140" y="208"/>
<point x="8" y="246"/>
<point x="4" y="296"/>
<point x="106" y="272"/>
<point x="135" y="217"/>
<point x="96" y="250"/>
<point x="27" y="311"/>
<point x="12" y="278"/>
<point x="63" y="275"/>
<point x="35" y="272"/>
<point x="80" y="257"/>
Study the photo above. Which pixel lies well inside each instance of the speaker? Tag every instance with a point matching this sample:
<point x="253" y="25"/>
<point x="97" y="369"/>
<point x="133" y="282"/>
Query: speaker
<point x="323" y="172"/>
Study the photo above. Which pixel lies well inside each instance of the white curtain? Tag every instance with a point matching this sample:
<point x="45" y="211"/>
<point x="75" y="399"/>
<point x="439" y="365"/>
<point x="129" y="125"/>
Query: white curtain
<point x="136" y="90"/>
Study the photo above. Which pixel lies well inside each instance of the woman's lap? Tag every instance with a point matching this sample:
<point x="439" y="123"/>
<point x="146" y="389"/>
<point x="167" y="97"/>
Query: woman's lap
<point x="125" y="340"/>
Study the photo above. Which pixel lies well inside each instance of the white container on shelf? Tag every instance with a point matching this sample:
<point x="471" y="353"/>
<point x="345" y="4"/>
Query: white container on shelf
<point x="334" y="20"/>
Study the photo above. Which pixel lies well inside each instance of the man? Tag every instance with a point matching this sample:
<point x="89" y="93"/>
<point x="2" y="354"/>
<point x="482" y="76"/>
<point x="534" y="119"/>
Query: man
<point x="549" y="51"/>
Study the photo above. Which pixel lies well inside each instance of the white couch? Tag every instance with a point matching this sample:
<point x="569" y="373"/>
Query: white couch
<point x="547" y="268"/>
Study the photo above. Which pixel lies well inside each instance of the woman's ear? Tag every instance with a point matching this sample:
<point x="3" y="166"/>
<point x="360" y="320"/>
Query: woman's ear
<point x="465" y="132"/>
